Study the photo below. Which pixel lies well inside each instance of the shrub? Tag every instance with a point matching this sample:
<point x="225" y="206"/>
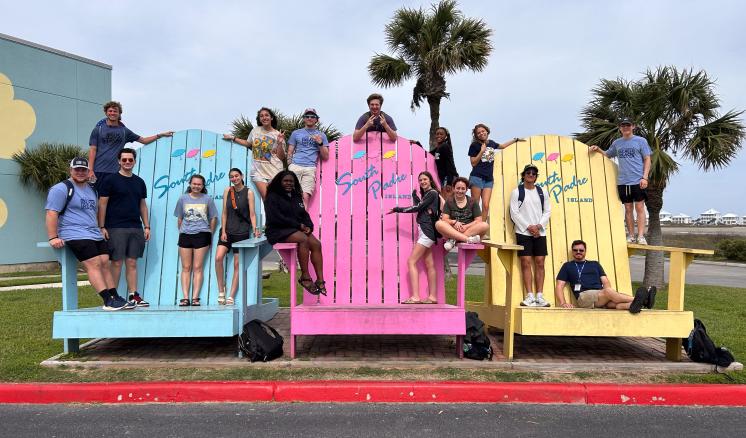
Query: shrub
<point x="46" y="165"/>
<point x="732" y="249"/>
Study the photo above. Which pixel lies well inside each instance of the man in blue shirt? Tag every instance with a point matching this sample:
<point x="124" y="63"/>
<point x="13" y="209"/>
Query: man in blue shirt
<point x="592" y="288"/>
<point x="305" y="147"/>
<point x="108" y="138"/>
<point x="122" y="214"/>
<point x="633" y="154"/>
<point x="73" y="224"/>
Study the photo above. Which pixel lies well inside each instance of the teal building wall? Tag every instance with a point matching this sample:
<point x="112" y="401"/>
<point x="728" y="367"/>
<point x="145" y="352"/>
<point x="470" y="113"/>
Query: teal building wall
<point x="46" y="95"/>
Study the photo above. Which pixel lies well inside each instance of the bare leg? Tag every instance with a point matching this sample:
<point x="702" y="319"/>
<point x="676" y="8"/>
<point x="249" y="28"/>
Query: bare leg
<point x="539" y="273"/>
<point x="262" y="187"/>
<point x="486" y="193"/>
<point x="431" y="275"/>
<point x="608" y="296"/>
<point x="198" y="267"/>
<point x="449" y="232"/>
<point x="220" y="267"/>
<point x="98" y="273"/>
<point x="640" y="210"/>
<point x="526" y="273"/>
<point x="306" y="200"/>
<point x="234" y="280"/>
<point x="628" y="217"/>
<point x="186" y="255"/>
<point x="130" y="273"/>
<point x="476" y="194"/>
<point x="477" y="229"/>
<point x="414" y="277"/>
<point x="116" y="270"/>
<point x="316" y="257"/>
<point x="303" y="251"/>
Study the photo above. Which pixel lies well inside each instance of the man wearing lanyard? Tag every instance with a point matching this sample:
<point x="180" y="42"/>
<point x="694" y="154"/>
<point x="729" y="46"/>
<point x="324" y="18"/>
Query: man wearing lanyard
<point x="592" y="288"/>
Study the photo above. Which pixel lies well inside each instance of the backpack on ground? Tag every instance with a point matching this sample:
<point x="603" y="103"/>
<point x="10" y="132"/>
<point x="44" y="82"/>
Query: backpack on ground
<point x="476" y="342"/>
<point x="522" y="195"/>
<point x="700" y="348"/>
<point x="259" y="341"/>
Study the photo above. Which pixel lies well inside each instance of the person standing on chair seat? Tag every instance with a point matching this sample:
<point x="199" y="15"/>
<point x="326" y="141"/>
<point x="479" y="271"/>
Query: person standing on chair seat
<point x="592" y="288"/>
<point x="71" y="220"/>
<point x="305" y="147"/>
<point x="530" y="213"/>
<point x="633" y="154"/>
<point x="122" y="214"/>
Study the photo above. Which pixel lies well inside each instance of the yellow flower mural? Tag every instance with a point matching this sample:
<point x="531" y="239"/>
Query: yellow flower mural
<point x="17" y="120"/>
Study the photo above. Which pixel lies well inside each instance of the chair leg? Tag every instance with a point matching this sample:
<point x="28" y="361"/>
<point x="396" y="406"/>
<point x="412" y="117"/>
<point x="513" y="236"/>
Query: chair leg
<point x="71" y="345"/>
<point x="460" y="346"/>
<point x="673" y="349"/>
<point x="292" y="346"/>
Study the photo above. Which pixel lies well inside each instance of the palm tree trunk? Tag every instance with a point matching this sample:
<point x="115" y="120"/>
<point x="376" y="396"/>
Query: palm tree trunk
<point x="434" y="103"/>
<point x="654" y="259"/>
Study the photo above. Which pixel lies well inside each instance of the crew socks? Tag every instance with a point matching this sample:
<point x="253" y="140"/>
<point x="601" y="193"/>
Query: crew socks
<point x="104" y="294"/>
<point x="539" y="295"/>
<point x="530" y="296"/>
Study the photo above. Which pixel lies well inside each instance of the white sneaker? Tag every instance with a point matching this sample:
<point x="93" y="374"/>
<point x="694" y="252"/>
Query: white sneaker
<point x="473" y="239"/>
<point x="541" y="302"/>
<point x="528" y="302"/>
<point x="641" y="240"/>
<point x="631" y="239"/>
<point x="450" y="243"/>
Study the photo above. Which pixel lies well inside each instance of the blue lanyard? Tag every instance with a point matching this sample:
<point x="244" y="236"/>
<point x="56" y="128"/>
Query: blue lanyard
<point x="580" y="270"/>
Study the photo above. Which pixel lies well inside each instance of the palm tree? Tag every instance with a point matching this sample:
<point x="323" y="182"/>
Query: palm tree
<point x="427" y="46"/>
<point x="46" y="165"/>
<point x="243" y="125"/>
<point x="677" y="113"/>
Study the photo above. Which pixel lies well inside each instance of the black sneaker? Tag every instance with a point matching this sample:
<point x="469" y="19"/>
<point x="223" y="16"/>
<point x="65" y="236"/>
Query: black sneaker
<point x="650" y="302"/>
<point x="641" y="297"/>
<point x="117" y="303"/>
<point x="139" y="302"/>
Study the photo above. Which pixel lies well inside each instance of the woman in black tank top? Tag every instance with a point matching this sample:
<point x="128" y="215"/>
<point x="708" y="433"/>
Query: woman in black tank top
<point x="239" y="220"/>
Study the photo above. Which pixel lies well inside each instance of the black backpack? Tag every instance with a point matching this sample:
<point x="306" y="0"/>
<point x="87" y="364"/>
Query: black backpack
<point x="259" y="341"/>
<point x="522" y="195"/>
<point x="700" y="348"/>
<point x="70" y="192"/>
<point x="476" y="342"/>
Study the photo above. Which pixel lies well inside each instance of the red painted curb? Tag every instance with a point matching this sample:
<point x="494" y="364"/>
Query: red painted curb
<point x="137" y="392"/>
<point x="667" y="395"/>
<point x="374" y="391"/>
<point x="429" y="392"/>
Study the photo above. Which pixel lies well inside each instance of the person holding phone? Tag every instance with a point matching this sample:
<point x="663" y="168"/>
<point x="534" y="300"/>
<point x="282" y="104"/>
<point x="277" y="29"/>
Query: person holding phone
<point x="375" y="120"/>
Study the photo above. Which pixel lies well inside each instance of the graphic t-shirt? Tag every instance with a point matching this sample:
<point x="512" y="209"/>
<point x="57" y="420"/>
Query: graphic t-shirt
<point x="484" y="167"/>
<point x="630" y="155"/>
<point x="195" y="213"/>
<point x="109" y="140"/>
<point x="263" y="143"/>
<point x="125" y="194"/>
<point x="306" y="148"/>
<point x="464" y="215"/>
<point x="79" y="220"/>
<point x="588" y="273"/>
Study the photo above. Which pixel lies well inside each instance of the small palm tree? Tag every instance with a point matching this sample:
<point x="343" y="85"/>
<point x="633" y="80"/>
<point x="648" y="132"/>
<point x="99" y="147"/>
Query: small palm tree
<point x="677" y="113"/>
<point x="46" y="165"/>
<point x="427" y="46"/>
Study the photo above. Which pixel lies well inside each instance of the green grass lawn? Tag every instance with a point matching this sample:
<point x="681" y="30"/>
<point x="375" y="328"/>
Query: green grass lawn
<point x="26" y="317"/>
<point x="37" y="280"/>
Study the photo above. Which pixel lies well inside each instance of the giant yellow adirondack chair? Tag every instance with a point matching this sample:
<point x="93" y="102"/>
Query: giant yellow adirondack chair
<point x="581" y="187"/>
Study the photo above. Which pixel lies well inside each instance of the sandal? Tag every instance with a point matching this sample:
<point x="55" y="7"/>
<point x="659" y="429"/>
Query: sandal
<point x="429" y="301"/>
<point x="184" y="302"/>
<point x="321" y="287"/>
<point x="308" y="284"/>
<point x="412" y="301"/>
<point x="230" y="301"/>
<point x="195" y="302"/>
<point x="221" y="298"/>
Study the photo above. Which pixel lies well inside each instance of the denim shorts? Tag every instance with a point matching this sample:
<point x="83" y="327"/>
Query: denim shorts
<point x="480" y="183"/>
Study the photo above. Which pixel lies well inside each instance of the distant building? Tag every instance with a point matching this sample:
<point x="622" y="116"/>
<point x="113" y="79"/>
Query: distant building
<point x="681" y="219"/>
<point x="729" y="219"/>
<point x="665" y="217"/>
<point x="709" y="217"/>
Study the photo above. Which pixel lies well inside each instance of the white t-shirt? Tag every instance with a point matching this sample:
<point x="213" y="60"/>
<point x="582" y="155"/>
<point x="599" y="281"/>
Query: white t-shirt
<point x="530" y="212"/>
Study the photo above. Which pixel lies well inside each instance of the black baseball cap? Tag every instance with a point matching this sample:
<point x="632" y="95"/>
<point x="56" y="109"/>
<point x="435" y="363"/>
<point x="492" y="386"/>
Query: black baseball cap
<point x="79" y="162"/>
<point x="530" y="166"/>
<point x="626" y="121"/>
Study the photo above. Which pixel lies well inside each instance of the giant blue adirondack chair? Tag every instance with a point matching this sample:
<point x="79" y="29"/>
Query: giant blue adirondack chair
<point x="166" y="167"/>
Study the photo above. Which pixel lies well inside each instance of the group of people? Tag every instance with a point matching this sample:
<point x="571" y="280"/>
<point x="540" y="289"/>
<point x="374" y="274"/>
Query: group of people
<point x="100" y="212"/>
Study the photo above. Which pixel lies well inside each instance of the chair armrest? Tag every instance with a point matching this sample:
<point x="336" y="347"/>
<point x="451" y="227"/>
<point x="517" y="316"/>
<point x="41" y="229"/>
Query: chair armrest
<point x="671" y="249"/>
<point x="502" y="245"/>
<point x="254" y="242"/>
<point x="69" y="270"/>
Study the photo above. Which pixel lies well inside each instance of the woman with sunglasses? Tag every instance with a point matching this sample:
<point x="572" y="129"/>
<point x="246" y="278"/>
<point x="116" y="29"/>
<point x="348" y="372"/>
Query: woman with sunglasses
<point x="238" y="221"/>
<point x="197" y="219"/>
<point x="268" y="147"/>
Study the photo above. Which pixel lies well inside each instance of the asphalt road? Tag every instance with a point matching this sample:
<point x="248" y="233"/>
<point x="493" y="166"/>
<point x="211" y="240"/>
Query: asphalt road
<point x="367" y="420"/>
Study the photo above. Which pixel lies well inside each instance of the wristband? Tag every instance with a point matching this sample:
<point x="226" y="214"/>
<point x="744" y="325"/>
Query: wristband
<point x="644" y="179"/>
<point x="147" y="228"/>
<point x="52" y="238"/>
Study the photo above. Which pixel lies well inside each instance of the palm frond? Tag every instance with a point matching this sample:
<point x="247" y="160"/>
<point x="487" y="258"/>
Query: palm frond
<point x="388" y="71"/>
<point x="46" y="165"/>
<point x="716" y="144"/>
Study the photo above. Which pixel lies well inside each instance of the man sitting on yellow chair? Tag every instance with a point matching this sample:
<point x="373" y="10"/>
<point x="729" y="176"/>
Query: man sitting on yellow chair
<point x="592" y="288"/>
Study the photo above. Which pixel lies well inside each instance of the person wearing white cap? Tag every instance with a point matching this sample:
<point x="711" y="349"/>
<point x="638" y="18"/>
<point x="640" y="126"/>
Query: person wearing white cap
<point x="71" y="220"/>
<point x="305" y="147"/>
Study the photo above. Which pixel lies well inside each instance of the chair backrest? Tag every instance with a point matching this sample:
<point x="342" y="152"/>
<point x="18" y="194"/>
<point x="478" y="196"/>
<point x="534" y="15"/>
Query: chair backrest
<point x="365" y="250"/>
<point x="581" y="188"/>
<point x="166" y="167"/>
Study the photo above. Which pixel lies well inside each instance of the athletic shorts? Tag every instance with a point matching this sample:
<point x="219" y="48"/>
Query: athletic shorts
<point x="632" y="193"/>
<point x="233" y="238"/>
<point x="195" y="241"/>
<point x="306" y="176"/>
<point x="480" y="183"/>
<point x="532" y="246"/>
<point x="587" y="299"/>
<point x="126" y="243"/>
<point x="85" y="249"/>
<point x="422" y="239"/>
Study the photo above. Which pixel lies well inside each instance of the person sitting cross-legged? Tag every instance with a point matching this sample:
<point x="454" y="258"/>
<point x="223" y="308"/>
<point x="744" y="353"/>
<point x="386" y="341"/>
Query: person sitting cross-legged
<point x="592" y="288"/>
<point x="462" y="219"/>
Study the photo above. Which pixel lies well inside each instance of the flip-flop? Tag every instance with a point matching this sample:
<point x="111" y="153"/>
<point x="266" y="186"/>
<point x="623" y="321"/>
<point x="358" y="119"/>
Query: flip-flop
<point x="429" y="301"/>
<point x="412" y="301"/>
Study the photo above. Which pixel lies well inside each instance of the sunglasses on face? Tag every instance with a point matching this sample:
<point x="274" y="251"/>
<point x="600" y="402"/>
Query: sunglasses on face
<point x="580" y="250"/>
<point x="625" y="125"/>
<point x="127" y="160"/>
<point x="531" y="172"/>
<point x="310" y="117"/>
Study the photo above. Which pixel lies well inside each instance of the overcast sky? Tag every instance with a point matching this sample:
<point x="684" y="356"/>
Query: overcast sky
<point x="187" y="64"/>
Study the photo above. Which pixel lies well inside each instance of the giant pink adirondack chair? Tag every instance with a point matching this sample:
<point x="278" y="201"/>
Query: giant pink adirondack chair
<point x="365" y="251"/>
